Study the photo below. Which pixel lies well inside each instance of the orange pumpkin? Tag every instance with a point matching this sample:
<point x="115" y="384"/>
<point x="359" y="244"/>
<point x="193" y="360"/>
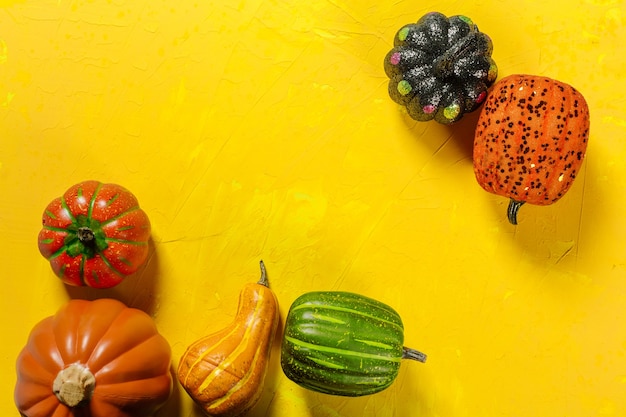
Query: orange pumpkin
<point x="530" y="140"/>
<point x="93" y="359"/>
<point x="224" y="372"/>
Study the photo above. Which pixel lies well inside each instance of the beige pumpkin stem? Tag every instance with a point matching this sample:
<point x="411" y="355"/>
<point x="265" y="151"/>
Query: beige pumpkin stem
<point x="74" y="385"/>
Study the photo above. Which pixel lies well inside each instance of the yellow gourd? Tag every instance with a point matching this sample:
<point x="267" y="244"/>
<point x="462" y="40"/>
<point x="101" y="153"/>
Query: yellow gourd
<point x="224" y="372"/>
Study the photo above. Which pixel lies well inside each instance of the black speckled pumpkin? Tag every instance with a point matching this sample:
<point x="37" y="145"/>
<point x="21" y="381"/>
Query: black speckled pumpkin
<point x="530" y="140"/>
<point x="440" y="68"/>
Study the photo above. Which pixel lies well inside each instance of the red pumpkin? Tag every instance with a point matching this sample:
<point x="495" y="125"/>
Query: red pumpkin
<point x="95" y="234"/>
<point x="530" y="140"/>
<point x="93" y="359"/>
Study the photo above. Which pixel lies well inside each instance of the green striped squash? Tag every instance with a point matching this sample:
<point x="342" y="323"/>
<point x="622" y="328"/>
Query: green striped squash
<point x="342" y="343"/>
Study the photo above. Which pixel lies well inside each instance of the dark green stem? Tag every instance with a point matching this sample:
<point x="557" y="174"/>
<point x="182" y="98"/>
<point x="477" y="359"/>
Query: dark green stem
<point x="85" y="237"/>
<point x="263" y="280"/>
<point x="416" y="355"/>
<point x="512" y="210"/>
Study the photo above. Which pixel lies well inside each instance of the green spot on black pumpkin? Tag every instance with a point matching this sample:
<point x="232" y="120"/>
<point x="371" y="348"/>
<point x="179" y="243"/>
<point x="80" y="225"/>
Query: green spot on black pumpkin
<point x="403" y="33"/>
<point x="451" y="112"/>
<point x="466" y="20"/>
<point x="404" y="87"/>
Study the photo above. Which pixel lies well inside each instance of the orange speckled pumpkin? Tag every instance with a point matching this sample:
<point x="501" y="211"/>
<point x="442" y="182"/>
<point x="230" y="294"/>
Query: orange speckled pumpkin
<point x="530" y="140"/>
<point x="93" y="359"/>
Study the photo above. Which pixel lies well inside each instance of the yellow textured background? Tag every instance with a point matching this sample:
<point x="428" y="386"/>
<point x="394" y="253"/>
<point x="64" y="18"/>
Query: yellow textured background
<point x="263" y="130"/>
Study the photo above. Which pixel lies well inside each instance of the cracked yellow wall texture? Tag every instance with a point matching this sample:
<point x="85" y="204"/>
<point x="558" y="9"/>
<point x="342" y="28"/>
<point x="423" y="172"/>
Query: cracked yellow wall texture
<point x="256" y="130"/>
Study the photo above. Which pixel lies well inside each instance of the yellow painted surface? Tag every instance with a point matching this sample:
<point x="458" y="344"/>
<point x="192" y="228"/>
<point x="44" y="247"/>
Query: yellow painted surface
<point x="256" y="130"/>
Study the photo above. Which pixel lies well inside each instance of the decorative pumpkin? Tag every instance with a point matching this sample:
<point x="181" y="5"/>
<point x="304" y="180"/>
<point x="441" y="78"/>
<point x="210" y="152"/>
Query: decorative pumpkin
<point x="342" y="343"/>
<point x="224" y="372"/>
<point x="530" y="140"/>
<point x="93" y="359"/>
<point x="440" y="68"/>
<point x="95" y="235"/>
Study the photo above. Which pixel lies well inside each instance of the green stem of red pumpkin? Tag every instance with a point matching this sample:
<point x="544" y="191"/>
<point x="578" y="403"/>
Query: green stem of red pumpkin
<point x="512" y="210"/>
<point x="85" y="238"/>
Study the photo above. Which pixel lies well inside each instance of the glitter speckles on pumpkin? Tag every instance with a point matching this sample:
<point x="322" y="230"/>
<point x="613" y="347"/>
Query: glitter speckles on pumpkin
<point x="440" y="68"/>
<point x="492" y="74"/>
<point x="530" y="140"/>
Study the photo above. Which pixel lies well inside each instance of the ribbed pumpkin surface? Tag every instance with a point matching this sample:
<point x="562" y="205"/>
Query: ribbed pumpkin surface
<point x="440" y="67"/>
<point x="119" y="346"/>
<point x="342" y="343"/>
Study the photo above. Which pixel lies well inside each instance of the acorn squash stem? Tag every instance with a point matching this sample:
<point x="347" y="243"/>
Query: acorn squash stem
<point x="514" y="206"/>
<point x="416" y="355"/>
